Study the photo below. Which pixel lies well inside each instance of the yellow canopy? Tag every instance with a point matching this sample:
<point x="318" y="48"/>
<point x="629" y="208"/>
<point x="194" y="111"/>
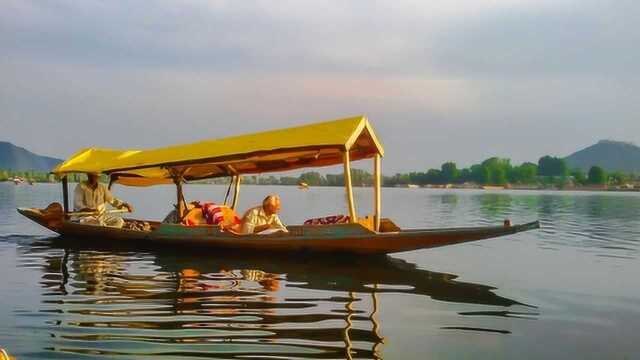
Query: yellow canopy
<point x="314" y="145"/>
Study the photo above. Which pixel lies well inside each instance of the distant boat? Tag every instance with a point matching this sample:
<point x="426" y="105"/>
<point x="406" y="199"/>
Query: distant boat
<point x="407" y="186"/>
<point x="303" y="185"/>
<point x="492" y="187"/>
<point x="17" y="180"/>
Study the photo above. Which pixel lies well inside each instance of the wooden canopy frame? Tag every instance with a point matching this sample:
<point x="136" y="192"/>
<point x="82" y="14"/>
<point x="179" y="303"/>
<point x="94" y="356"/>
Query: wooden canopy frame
<point x="320" y="144"/>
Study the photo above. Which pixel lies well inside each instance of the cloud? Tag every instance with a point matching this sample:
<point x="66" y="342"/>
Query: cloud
<point x="588" y="38"/>
<point x="442" y="81"/>
<point x="226" y="36"/>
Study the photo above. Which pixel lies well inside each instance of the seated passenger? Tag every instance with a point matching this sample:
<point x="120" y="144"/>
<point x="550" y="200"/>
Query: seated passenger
<point x="263" y="219"/>
<point x="92" y="196"/>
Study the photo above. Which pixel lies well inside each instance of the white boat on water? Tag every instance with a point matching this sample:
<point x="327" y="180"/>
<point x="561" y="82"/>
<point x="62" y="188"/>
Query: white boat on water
<point x="17" y="180"/>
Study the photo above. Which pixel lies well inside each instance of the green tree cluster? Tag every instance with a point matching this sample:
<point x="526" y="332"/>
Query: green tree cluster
<point x="359" y="177"/>
<point x="552" y="166"/>
<point x="288" y="180"/>
<point x="493" y="171"/>
<point x="597" y="176"/>
<point x="579" y="177"/>
<point x="619" y="178"/>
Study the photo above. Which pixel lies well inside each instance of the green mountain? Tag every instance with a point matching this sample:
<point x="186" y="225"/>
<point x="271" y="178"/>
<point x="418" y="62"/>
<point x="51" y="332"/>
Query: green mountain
<point x="609" y="155"/>
<point x="20" y="159"/>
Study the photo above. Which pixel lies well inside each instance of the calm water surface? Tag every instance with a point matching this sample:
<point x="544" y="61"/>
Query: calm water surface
<point x="568" y="291"/>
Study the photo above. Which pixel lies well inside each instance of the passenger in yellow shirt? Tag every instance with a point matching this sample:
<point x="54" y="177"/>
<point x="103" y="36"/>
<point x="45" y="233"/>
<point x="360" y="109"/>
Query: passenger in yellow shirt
<point x="263" y="219"/>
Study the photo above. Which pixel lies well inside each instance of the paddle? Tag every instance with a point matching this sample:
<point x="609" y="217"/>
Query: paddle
<point x="91" y="213"/>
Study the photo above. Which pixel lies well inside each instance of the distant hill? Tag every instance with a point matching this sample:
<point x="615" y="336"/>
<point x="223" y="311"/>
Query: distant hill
<point x="609" y="155"/>
<point x="20" y="159"/>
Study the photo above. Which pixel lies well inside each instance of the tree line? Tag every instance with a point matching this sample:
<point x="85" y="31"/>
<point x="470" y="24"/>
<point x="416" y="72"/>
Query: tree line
<point x="37" y="176"/>
<point x="499" y="171"/>
<point x="43" y="176"/>
<point x="312" y="178"/>
<point x="493" y="171"/>
<point x="548" y="171"/>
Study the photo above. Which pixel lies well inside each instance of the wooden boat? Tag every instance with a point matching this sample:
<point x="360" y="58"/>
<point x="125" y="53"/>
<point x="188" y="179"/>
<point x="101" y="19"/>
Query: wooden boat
<point x="320" y="144"/>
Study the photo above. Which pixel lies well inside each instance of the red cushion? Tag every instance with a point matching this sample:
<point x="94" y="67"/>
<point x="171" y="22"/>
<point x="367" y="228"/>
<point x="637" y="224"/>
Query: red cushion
<point x="216" y="214"/>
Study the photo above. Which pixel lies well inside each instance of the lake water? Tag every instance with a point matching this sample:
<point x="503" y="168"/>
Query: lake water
<point x="570" y="290"/>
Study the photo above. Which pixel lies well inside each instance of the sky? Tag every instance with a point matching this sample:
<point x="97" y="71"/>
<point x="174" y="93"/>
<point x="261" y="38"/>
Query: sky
<point x="439" y="80"/>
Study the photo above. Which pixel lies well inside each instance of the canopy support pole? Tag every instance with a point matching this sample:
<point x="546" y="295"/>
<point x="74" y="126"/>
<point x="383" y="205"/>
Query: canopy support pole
<point x="236" y="192"/>
<point x="177" y="179"/>
<point x="65" y="193"/>
<point x="376" y="192"/>
<point x="180" y="199"/>
<point x="349" y="187"/>
<point x="226" y="196"/>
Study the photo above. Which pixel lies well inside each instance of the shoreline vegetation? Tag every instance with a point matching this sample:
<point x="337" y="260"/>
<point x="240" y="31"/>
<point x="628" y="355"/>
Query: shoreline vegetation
<point x="550" y="173"/>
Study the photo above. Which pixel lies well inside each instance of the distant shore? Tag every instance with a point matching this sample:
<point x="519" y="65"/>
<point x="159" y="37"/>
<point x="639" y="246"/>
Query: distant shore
<point x="602" y="188"/>
<point x="533" y="187"/>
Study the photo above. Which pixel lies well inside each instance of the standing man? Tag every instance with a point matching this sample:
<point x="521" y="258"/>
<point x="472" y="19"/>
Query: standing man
<point x="92" y="196"/>
<point x="264" y="218"/>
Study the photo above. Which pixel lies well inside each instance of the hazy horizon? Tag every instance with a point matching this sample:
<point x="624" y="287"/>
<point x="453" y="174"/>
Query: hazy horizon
<point x="440" y="82"/>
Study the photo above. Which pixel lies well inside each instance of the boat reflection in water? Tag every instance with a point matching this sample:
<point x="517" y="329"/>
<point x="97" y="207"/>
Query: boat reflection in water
<point x="125" y="302"/>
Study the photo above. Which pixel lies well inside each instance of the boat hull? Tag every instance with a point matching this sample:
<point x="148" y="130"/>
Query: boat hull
<point x="345" y="238"/>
